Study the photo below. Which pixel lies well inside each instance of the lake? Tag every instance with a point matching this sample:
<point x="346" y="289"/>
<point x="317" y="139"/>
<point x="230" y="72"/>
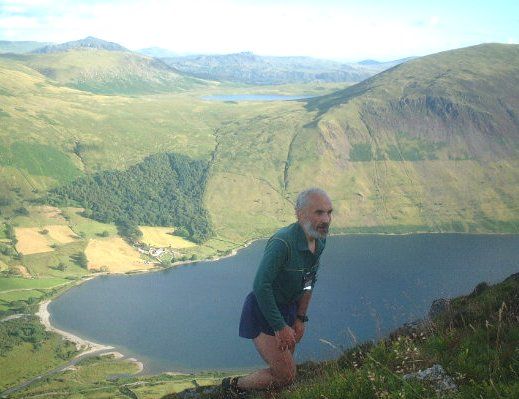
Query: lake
<point x="253" y="97"/>
<point x="186" y="318"/>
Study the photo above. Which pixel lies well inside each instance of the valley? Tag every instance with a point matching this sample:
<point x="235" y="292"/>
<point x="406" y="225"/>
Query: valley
<point x="430" y="145"/>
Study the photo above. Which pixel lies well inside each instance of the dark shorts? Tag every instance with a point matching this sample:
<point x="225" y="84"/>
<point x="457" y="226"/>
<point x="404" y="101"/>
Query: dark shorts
<point x="253" y="322"/>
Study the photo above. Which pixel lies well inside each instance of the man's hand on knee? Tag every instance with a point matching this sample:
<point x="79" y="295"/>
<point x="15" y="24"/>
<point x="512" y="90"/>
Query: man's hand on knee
<point x="285" y="338"/>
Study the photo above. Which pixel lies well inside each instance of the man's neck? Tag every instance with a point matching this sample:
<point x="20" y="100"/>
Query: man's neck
<point x="309" y="239"/>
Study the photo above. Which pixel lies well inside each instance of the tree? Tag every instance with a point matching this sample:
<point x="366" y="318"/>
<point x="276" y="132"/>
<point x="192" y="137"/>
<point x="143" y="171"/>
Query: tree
<point x="81" y="259"/>
<point x="61" y="267"/>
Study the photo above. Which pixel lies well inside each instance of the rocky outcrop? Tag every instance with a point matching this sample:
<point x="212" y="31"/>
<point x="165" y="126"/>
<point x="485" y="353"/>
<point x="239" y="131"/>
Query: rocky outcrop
<point x="436" y="376"/>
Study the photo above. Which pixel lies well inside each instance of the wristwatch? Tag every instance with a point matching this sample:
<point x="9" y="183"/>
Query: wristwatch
<point x="303" y="318"/>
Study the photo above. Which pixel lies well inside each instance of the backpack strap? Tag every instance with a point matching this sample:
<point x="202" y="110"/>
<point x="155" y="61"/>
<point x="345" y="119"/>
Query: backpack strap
<point x="286" y="244"/>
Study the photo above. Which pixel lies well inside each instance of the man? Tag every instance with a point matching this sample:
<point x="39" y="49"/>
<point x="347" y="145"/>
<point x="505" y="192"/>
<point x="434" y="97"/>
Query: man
<point x="274" y="313"/>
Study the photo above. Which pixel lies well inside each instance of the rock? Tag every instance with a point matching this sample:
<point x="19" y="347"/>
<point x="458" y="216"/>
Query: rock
<point x="513" y="277"/>
<point x="436" y="376"/>
<point x="438" y="307"/>
<point x="479" y="289"/>
<point x="206" y="392"/>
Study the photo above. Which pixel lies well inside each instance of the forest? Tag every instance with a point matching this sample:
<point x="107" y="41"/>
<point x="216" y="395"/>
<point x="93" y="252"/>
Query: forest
<point x="163" y="190"/>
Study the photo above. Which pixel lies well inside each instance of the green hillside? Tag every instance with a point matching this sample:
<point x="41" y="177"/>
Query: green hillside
<point x="432" y="142"/>
<point x="163" y="190"/>
<point x="108" y="72"/>
<point x="430" y="145"/>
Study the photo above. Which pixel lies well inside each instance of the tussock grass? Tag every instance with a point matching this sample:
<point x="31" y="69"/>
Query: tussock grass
<point x="475" y="341"/>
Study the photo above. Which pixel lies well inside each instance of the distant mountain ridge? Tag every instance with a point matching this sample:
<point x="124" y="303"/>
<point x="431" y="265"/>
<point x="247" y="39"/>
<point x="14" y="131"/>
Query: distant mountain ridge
<point x="244" y="67"/>
<point x="249" y="68"/>
<point x="88" y="43"/>
<point x="102" y="67"/>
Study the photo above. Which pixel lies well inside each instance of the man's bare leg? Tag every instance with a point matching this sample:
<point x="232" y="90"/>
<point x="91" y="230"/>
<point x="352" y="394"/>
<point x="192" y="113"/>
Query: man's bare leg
<point x="281" y="371"/>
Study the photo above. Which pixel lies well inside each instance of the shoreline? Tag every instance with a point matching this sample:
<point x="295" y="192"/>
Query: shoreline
<point x="87" y="347"/>
<point x="84" y="346"/>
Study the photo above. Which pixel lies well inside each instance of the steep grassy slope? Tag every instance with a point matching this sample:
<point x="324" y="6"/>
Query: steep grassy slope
<point x="107" y="71"/>
<point x="433" y="142"/>
<point x="430" y="145"/>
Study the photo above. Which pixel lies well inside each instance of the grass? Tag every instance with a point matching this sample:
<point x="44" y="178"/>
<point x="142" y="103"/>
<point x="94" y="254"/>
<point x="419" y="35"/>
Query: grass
<point x="85" y="227"/>
<point x="114" y="255"/>
<point x="46" y="264"/>
<point x="163" y="237"/>
<point x="39" y="160"/>
<point x="20" y="295"/>
<point x="39" y="216"/>
<point x="475" y="341"/>
<point x="27" y="360"/>
<point x="265" y="153"/>
<point x="15" y="283"/>
<point x="87" y="378"/>
<point x="33" y="240"/>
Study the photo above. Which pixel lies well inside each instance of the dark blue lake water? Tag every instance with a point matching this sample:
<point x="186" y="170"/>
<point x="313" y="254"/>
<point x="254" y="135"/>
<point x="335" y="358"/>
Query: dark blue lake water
<point x="253" y="97"/>
<point x="186" y="318"/>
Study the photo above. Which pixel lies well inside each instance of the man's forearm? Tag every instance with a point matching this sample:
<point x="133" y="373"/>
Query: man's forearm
<point x="304" y="302"/>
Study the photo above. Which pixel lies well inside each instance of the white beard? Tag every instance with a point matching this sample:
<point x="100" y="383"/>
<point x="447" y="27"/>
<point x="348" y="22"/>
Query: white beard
<point x="307" y="226"/>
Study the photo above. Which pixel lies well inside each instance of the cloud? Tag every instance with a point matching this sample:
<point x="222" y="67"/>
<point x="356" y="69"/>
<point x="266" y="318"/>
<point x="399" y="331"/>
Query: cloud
<point x="326" y="29"/>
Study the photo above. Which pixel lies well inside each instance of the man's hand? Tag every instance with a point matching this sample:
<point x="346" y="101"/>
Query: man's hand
<point x="285" y="338"/>
<point x="299" y="330"/>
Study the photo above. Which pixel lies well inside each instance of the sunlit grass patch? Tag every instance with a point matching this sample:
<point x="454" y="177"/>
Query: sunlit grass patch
<point x="114" y="255"/>
<point x="61" y="234"/>
<point x="87" y="228"/>
<point x="164" y="237"/>
<point x="3" y="266"/>
<point x="32" y="241"/>
<point x="16" y="283"/>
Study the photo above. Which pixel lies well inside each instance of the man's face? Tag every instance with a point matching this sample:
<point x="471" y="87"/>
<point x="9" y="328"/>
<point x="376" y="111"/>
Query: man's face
<point x="316" y="216"/>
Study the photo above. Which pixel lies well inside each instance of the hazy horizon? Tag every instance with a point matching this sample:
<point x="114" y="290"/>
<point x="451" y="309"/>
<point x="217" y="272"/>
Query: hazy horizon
<point x="326" y="29"/>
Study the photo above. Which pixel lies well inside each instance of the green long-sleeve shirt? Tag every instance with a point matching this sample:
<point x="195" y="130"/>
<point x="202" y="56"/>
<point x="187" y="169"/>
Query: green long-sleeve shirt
<point x="287" y="267"/>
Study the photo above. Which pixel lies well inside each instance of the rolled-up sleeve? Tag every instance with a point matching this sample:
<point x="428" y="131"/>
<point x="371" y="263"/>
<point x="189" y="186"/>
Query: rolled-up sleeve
<point x="274" y="257"/>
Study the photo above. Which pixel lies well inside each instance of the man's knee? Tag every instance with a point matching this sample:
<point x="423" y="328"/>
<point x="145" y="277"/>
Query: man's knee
<point x="284" y="374"/>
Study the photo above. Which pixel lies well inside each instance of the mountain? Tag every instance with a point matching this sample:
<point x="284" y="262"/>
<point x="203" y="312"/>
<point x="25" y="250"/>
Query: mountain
<point x="249" y="68"/>
<point x="102" y="67"/>
<point x="464" y="101"/>
<point x="19" y="47"/>
<point x="436" y="140"/>
<point x="379" y="66"/>
<point x="369" y="62"/>
<point x="430" y="145"/>
<point x="86" y="43"/>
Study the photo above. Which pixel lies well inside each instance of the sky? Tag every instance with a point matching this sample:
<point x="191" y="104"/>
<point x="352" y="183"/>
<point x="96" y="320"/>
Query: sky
<point x="331" y="29"/>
